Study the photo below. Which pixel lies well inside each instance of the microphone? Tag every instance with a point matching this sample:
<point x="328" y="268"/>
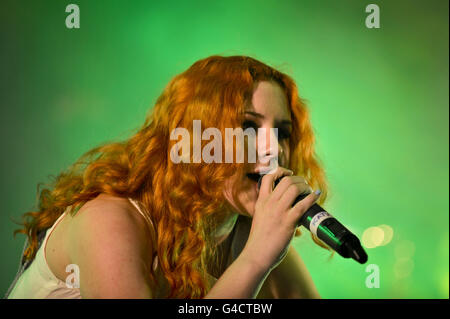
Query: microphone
<point x="327" y="228"/>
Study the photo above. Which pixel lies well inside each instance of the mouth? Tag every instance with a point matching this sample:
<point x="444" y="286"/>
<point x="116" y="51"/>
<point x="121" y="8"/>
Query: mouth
<point x="254" y="177"/>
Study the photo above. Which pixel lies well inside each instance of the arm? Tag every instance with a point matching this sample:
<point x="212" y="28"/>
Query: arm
<point x="290" y="279"/>
<point x="108" y="243"/>
<point x="242" y="280"/>
<point x="267" y="248"/>
<point x="110" y="247"/>
<point x="245" y="279"/>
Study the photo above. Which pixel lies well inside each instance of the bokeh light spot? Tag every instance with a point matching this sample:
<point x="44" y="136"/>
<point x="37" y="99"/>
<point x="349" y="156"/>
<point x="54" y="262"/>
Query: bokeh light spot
<point x="372" y="237"/>
<point x="405" y="249"/>
<point x="388" y="234"/>
<point x="403" y="268"/>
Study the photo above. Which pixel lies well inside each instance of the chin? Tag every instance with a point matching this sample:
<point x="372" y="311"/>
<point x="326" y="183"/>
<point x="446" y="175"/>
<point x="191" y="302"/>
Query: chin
<point x="247" y="206"/>
<point x="250" y="211"/>
<point x="247" y="194"/>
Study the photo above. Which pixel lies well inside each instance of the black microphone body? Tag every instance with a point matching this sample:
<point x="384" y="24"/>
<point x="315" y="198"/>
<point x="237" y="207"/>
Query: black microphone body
<point x="327" y="228"/>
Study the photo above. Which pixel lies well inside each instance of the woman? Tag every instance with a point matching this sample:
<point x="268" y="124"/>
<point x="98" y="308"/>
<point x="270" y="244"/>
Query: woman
<point x="126" y="221"/>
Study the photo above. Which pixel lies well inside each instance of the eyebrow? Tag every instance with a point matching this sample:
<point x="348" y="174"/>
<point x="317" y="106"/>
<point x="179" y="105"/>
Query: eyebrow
<point x="259" y="115"/>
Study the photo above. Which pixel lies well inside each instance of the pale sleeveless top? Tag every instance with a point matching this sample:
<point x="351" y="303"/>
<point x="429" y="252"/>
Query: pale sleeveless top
<point x="39" y="282"/>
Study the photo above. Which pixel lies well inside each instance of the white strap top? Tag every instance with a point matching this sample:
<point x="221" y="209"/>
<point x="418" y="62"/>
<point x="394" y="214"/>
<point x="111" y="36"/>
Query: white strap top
<point x="39" y="282"/>
<point x="152" y="231"/>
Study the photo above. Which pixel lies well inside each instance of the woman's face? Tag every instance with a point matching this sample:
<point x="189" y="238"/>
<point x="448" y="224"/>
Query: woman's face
<point x="269" y="109"/>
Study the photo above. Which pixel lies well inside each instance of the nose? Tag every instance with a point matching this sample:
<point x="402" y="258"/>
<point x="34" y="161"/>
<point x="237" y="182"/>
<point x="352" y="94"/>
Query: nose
<point x="269" y="149"/>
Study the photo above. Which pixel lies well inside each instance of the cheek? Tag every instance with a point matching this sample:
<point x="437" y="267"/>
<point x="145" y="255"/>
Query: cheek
<point x="285" y="155"/>
<point x="244" y="202"/>
<point x="247" y="200"/>
<point x="250" y="209"/>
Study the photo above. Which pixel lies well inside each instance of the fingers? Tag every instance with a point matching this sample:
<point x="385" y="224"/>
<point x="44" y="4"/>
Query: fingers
<point x="268" y="181"/>
<point x="297" y="211"/>
<point x="289" y="188"/>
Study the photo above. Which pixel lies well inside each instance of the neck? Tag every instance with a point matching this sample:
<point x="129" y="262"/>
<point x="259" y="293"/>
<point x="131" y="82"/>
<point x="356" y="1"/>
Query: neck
<point x="224" y="229"/>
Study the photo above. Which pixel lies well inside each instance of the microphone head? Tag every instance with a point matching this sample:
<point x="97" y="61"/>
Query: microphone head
<point x="356" y="252"/>
<point x="351" y="246"/>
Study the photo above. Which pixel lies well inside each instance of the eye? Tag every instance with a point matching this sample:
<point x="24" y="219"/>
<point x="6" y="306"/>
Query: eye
<point x="283" y="134"/>
<point x="248" y="123"/>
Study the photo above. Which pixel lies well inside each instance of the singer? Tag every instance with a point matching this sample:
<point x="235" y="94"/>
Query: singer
<point x="130" y="223"/>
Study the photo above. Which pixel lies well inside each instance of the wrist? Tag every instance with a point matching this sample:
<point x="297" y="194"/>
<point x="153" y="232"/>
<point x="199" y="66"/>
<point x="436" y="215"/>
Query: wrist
<point x="254" y="262"/>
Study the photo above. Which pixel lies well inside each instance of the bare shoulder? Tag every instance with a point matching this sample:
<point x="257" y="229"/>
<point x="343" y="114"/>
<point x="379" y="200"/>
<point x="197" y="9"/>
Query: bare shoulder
<point x="109" y="216"/>
<point x="108" y="240"/>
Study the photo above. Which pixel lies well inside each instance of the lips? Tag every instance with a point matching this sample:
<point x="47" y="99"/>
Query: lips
<point x="254" y="176"/>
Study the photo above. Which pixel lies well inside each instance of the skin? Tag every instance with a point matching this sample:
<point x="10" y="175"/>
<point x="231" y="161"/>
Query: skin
<point x="269" y="109"/>
<point x="108" y="240"/>
<point x="115" y="240"/>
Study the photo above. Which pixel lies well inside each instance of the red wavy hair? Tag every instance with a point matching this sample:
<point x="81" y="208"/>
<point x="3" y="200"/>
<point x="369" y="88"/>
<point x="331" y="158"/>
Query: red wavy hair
<point x="184" y="201"/>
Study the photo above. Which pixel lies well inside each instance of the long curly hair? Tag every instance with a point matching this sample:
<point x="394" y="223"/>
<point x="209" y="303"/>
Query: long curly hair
<point x="185" y="201"/>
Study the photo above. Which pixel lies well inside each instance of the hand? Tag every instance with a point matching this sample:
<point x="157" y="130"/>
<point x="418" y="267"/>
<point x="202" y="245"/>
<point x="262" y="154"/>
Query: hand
<point x="275" y="220"/>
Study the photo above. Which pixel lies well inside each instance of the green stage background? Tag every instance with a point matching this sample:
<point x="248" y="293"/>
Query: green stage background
<point x="378" y="100"/>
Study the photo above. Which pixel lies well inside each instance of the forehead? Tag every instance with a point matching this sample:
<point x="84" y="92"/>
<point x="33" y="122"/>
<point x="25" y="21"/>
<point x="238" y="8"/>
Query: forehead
<point x="270" y="100"/>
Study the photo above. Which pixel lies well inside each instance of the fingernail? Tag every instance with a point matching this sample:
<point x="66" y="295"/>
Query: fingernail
<point x="292" y="173"/>
<point x="318" y="192"/>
